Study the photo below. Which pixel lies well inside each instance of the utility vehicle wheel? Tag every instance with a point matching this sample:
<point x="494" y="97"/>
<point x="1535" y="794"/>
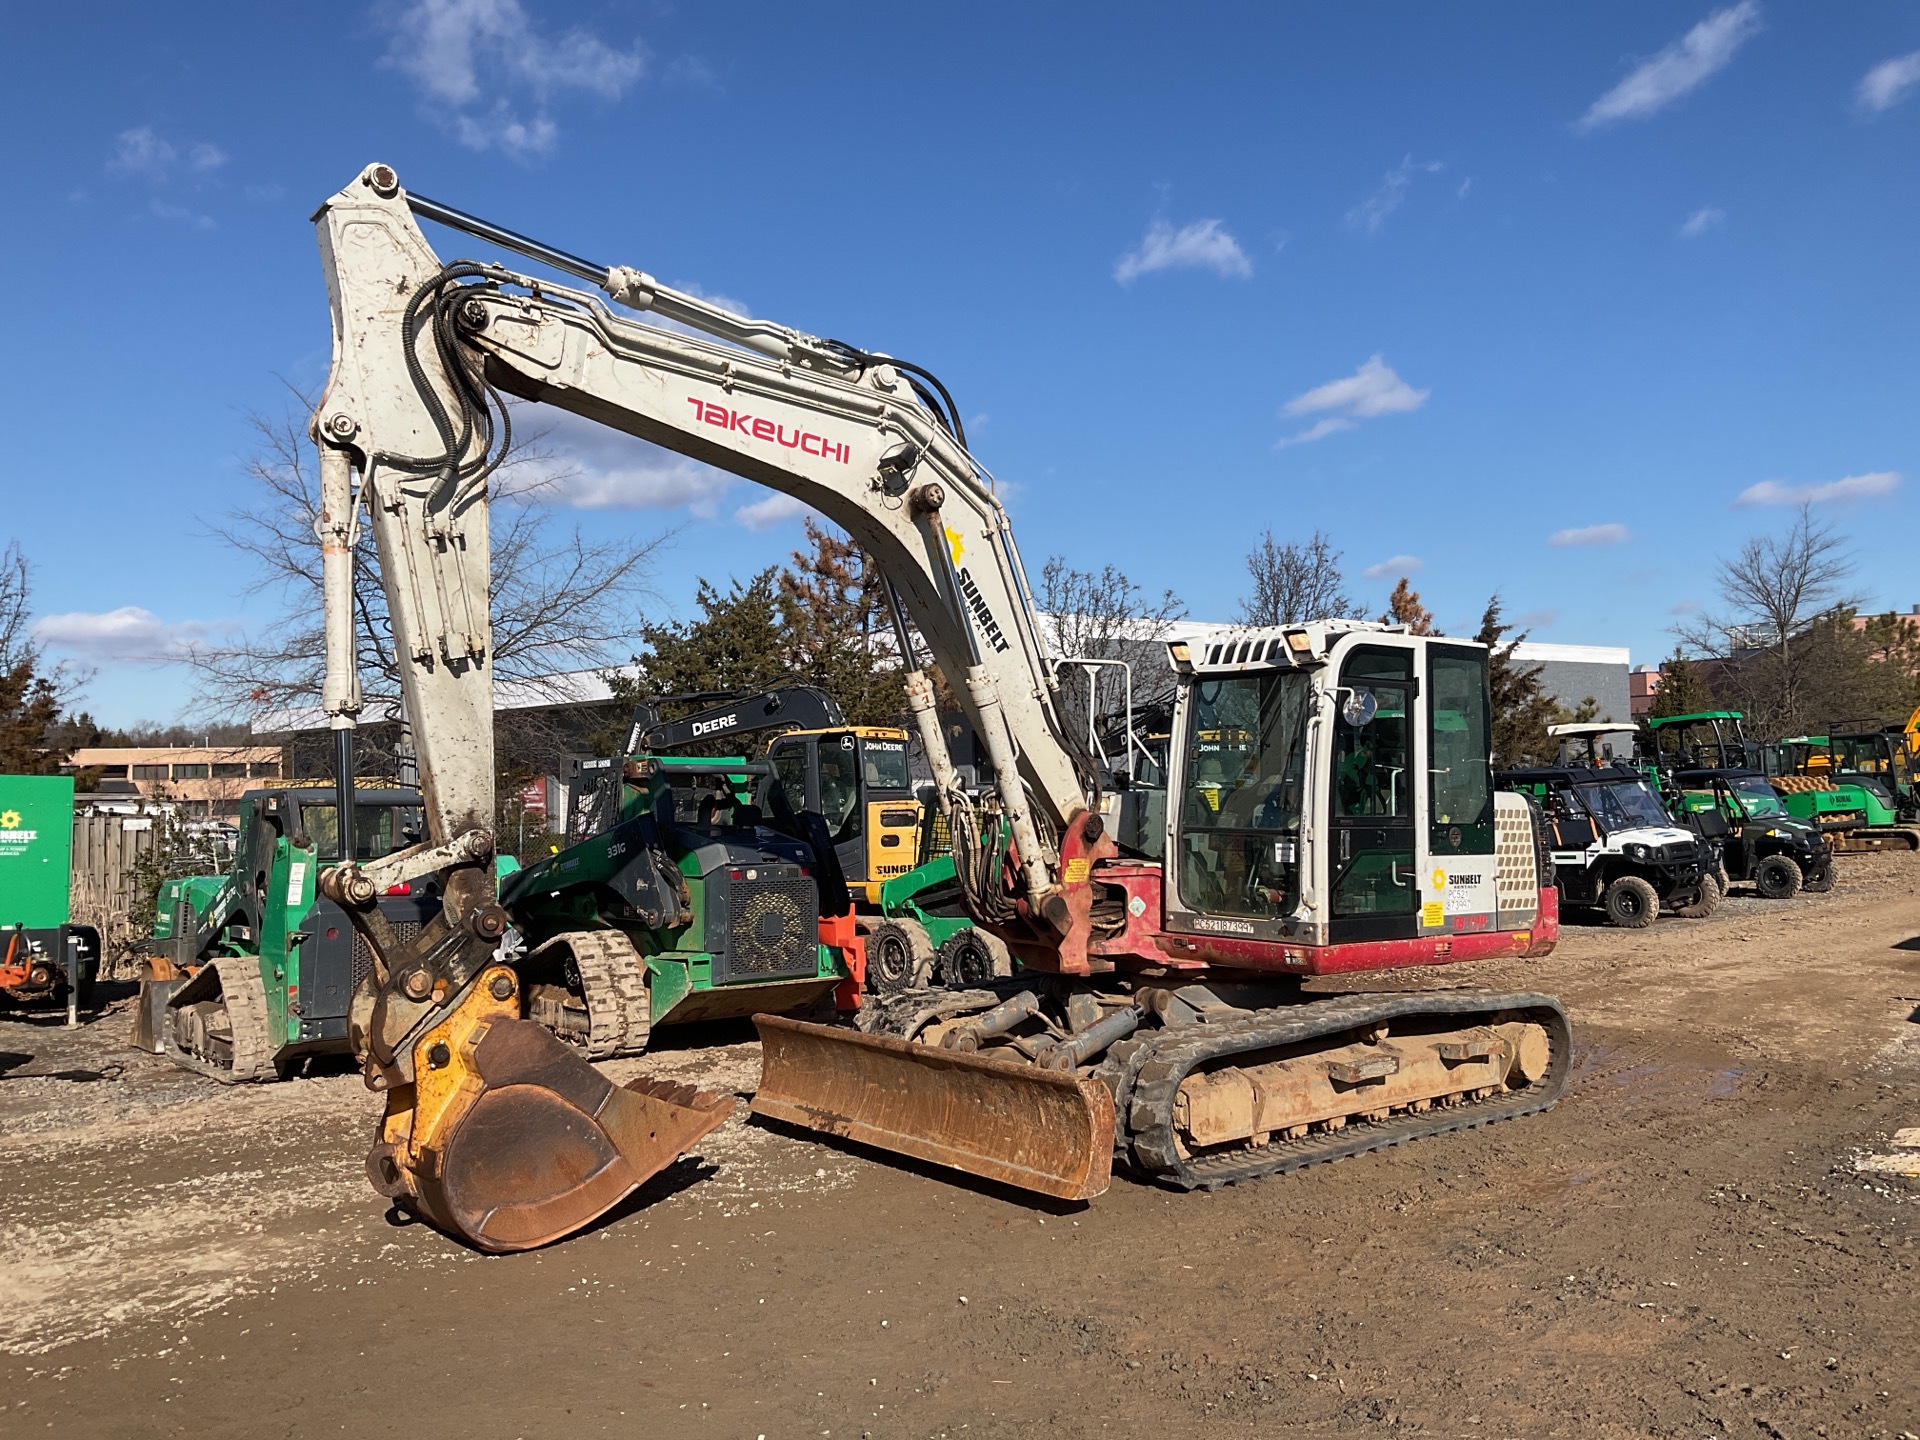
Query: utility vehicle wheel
<point x="971" y="957"/>
<point x="900" y="957"/>
<point x="1705" y="903"/>
<point x="1777" y="877"/>
<point x="1820" y="880"/>
<point x="1632" y="903"/>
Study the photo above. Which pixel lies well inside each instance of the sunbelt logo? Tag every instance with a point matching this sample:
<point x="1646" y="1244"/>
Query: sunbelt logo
<point x="11" y="823"/>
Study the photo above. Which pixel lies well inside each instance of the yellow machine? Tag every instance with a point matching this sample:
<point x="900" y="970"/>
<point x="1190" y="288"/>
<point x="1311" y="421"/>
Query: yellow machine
<point x="856" y="776"/>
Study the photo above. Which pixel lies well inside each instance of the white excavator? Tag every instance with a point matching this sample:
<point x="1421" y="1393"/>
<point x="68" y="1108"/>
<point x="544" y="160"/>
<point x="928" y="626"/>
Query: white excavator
<point x="1327" y="806"/>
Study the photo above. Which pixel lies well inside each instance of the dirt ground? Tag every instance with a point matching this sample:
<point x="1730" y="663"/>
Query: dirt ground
<point x="1688" y="1246"/>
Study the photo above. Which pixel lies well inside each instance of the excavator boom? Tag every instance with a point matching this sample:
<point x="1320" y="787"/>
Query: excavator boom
<point x="1155" y="1017"/>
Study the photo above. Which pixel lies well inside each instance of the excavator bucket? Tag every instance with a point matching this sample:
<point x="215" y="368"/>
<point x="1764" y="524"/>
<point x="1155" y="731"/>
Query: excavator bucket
<point x="1036" y="1129"/>
<point x="509" y="1140"/>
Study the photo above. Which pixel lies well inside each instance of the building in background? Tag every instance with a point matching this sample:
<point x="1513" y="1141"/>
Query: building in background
<point x="1575" y="673"/>
<point x="205" y="782"/>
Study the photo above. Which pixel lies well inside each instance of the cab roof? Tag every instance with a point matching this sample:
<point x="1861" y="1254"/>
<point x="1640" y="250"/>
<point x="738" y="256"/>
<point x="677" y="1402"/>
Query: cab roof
<point x="1569" y="774"/>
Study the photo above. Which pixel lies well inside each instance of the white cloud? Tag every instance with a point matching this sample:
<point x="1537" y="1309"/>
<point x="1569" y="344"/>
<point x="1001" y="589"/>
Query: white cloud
<point x="480" y="63"/>
<point x="1394" y="565"/>
<point x="1887" y="84"/>
<point x="128" y="634"/>
<point x="1684" y="65"/>
<point x="666" y="483"/>
<point x="589" y="467"/>
<point x="1701" y="221"/>
<point x="180" y="215"/>
<point x="151" y="156"/>
<point x="775" y="509"/>
<point x="1610" y="533"/>
<point x="1538" y="619"/>
<point x="1851" y="487"/>
<point x="1203" y="245"/>
<point x="1319" y="430"/>
<point x="1371" y="213"/>
<point x="1372" y="390"/>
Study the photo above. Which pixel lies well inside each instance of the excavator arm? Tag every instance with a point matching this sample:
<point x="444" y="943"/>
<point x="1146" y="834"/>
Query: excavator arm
<point x="495" y="1132"/>
<point x="410" y="428"/>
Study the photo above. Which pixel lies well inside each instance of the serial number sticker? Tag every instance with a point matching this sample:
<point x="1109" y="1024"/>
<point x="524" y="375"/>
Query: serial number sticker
<point x="1458" y="902"/>
<point x="296" y="881"/>
<point x="1433" y="914"/>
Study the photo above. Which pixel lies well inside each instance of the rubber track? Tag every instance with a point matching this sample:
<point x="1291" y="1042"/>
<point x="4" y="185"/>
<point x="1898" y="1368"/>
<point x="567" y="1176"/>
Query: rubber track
<point x="1145" y="1076"/>
<point x="609" y="973"/>
<point x="245" y="999"/>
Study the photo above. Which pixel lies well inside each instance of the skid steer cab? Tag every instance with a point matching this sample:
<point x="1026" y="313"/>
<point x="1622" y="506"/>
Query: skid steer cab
<point x="856" y="778"/>
<point x="678" y="899"/>
<point x="251" y="974"/>
<point x="1615" y="848"/>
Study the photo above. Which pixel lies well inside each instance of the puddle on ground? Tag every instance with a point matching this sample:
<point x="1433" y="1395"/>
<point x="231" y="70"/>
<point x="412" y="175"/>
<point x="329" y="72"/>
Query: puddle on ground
<point x="1649" y="1079"/>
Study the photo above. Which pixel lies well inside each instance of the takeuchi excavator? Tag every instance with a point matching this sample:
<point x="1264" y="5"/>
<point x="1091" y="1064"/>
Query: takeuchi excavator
<point x="1329" y="807"/>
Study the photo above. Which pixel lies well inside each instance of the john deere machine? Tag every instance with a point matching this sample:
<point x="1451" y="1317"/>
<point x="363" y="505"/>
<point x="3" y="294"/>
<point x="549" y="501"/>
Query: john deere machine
<point x="793" y="879"/>
<point x="1156" y="1017"/>
<point x="1857" y="810"/>
<point x="252" y="973"/>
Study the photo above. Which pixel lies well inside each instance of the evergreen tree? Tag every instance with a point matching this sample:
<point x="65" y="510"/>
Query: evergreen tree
<point x="836" y="630"/>
<point x="1682" y="691"/>
<point x="1404" y="608"/>
<point x="1521" y="710"/>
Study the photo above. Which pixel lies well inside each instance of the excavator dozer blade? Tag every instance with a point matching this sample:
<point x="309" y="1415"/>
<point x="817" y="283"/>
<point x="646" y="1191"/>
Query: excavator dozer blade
<point x="512" y="1140"/>
<point x="1017" y="1124"/>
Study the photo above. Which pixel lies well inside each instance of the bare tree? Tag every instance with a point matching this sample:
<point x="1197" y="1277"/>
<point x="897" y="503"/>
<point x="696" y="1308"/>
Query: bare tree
<point x="1106" y="616"/>
<point x="16" y="609"/>
<point x="560" y="602"/>
<point x="1773" y="592"/>
<point x="1295" y="582"/>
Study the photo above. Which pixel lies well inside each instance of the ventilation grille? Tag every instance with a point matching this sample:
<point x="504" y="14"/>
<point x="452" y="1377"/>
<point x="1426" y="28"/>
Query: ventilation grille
<point x="773" y="928"/>
<point x="403" y="931"/>
<point x="1517" y="887"/>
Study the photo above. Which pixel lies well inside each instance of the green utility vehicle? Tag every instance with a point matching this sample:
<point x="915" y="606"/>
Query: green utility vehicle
<point x="1854" y="811"/>
<point x="1760" y="843"/>
<point x="41" y="950"/>
<point x="1857" y="811"/>
<point x="251" y="974"/>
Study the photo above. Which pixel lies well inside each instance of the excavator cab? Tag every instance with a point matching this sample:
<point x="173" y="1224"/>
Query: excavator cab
<point x="857" y="779"/>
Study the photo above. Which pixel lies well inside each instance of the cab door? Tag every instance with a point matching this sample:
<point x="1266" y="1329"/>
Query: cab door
<point x="841" y="802"/>
<point x="1374" y="879"/>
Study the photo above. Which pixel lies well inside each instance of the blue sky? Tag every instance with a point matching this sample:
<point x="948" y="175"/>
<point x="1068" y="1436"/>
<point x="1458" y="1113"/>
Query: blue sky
<point x="1559" y="302"/>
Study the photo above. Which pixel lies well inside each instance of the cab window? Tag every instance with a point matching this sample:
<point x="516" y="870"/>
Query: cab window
<point x="884" y="762"/>
<point x="840" y="790"/>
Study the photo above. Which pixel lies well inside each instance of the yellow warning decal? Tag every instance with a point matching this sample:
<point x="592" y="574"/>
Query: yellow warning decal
<point x="1078" y="870"/>
<point x="1432" y="915"/>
